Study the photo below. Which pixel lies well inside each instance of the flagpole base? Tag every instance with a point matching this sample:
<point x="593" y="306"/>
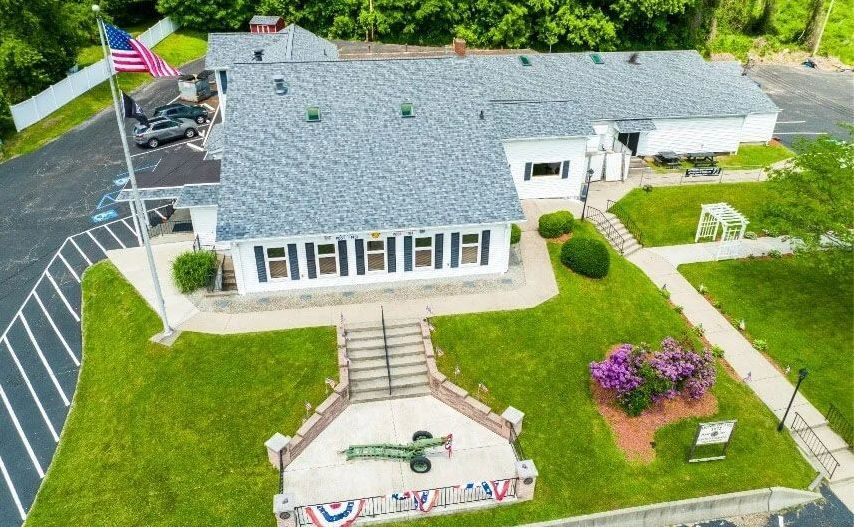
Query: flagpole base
<point x="166" y="339"/>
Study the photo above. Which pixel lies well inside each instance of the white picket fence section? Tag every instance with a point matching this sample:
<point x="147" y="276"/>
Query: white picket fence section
<point x="58" y="95"/>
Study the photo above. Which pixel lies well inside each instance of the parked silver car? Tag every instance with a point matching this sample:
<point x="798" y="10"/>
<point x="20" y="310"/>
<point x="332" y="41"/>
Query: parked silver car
<point x="160" y="130"/>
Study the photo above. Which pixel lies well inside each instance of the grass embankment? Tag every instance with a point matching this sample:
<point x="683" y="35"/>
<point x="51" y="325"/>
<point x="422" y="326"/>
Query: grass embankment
<point x="178" y="48"/>
<point x="669" y="215"/>
<point x="537" y="360"/>
<point x="163" y="436"/>
<point x="804" y="313"/>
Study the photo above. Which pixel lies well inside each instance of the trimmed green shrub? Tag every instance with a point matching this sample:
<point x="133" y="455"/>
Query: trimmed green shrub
<point x="515" y="233"/>
<point x="586" y="256"/>
<point x="193" y="269"/>
<point x="555" y="224"/>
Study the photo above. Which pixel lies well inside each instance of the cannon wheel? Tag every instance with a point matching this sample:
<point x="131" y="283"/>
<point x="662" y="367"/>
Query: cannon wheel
<point x="420" y="464"/>
<point x="421" y="434"/>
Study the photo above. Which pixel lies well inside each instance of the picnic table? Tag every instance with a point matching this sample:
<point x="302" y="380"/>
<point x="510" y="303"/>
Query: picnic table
<point x="667" y="158"/>
<point x="702" y="159"/>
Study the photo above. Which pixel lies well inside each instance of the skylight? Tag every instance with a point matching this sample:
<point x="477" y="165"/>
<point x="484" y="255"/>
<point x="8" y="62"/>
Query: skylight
<point x="406" y="110"/>
<point x="312" y="114"/>
<point x="597" y="59"/>
<point x="524" y="60"/>
<point x="281" y="86"/>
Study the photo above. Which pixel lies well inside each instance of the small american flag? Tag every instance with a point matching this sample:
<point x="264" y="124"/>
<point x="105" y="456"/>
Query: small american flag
<point x="131" y="55"/>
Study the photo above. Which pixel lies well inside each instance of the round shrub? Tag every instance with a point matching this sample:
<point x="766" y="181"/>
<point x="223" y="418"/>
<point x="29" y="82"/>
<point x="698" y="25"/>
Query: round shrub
<point x="515" y="233"/>
<point x="193" y="269"/>
<point x="555" y="224"/>
<point x="586" y="256"/>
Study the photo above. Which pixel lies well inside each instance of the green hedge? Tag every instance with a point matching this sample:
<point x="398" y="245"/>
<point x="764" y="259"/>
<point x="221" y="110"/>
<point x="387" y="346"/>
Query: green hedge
<point x="586" y="256"/>
<point x="515" y="233"/>
<point x="193" y="269"/>
<point x="555" y="224"/>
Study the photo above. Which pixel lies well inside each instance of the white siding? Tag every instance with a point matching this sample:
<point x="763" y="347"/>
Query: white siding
<point x="204" y="223"/>
<point x="243" y="255"/>
<point x="758" y="127"/>
<point x="713" y="134"/>
<point x="521" y="151"/>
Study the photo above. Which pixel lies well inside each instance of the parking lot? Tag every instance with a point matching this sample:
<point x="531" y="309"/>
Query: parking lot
<point x="813" y="102"/>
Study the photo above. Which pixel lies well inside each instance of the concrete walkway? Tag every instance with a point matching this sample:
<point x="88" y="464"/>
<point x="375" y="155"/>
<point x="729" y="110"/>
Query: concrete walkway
<point x="769" y="384"/>
<point x="707" y="252"/>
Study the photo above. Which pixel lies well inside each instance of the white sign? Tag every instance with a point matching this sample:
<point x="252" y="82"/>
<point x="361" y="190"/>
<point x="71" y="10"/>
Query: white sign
<point x="714" y="433"/>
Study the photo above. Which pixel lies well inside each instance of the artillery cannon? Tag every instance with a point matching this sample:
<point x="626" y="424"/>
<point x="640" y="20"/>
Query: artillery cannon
<point x="414" y="452"/>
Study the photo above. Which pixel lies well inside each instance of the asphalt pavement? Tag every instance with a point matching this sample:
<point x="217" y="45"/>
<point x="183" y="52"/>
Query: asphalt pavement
<point x="813" y="102"/>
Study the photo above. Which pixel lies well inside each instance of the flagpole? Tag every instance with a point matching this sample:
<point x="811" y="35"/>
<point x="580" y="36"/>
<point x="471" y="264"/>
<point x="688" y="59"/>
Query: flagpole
<point x="140" y="209"/>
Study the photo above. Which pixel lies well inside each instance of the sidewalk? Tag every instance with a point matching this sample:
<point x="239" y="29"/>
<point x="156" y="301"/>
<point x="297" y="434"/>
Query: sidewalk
<point x="769" y="384"/>
<point x="708" y="251"/>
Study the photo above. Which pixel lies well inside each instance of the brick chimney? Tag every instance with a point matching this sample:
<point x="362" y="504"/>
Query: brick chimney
<point x="460" y="47"/>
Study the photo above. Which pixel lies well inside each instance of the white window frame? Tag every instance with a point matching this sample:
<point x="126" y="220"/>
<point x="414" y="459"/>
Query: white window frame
<point x="334" y="254"/>
<point x="415" y="250"/>
<point x="559" y="174"/>
<point x="369" y="252"/>
<point x="268" y="259"/>
<point x="463" y="245"/>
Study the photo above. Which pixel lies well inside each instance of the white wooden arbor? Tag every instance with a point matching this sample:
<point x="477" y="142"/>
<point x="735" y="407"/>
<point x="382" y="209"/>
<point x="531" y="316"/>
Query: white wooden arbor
<point x="724" y="219"/>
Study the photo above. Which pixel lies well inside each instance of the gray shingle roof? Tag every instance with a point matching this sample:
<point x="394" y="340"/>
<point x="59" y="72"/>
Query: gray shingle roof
<point x="197" y="196"/>
<point x="291" y="43"/>
<point x="264" y="19"/>
<point x="214" y="141"/>
<point x="363" y="167"/>
<point x="635" y="125"/>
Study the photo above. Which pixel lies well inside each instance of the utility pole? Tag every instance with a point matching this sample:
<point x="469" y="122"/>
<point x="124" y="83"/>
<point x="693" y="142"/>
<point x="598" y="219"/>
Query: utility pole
<point x="817" y="42"/>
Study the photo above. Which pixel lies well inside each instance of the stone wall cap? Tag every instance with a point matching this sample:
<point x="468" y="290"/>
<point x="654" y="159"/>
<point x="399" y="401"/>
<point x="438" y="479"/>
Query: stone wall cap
<point x="277" y="442"/>
<point x="284" y="502"/>
<point x="514" y="415"/>
<point x="526" y="469"/>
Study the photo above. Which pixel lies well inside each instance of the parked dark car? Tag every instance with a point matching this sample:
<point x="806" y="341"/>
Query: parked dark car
<point x="160" y="129"/>
<point x="182" y="111"/>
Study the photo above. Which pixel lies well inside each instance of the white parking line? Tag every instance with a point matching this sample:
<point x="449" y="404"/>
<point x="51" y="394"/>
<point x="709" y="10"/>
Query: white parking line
<point x="71" y="239"/>
<point x="115" y="237"/>
<point x="791" y="122"/>
<point x="14" y="492"/>
<point x="21" y="433"/>
<point x="64" y="300"/>
<point x="129" y="227"/>
<point x="32" y="390"/>
<point x="71" y="269"/>
<point x="97" y="242"/>
<point x="56" y="330"/>
<point x="44" y="360"/>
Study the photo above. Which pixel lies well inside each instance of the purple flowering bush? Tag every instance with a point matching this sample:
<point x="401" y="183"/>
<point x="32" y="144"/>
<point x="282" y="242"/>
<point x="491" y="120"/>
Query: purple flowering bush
<point x="641" y="378"/>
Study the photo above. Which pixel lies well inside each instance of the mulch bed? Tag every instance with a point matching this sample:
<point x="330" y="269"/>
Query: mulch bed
<point x="636" y="435"/>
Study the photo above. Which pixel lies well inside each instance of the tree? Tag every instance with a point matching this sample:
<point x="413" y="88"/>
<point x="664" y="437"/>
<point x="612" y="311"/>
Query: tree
<point x="208" y="14"/>
<point x="816" y="196"/>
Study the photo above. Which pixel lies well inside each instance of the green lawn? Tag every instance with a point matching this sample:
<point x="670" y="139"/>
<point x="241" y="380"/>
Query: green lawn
<point x="178" y="48"/>
<point x="805" y="315"/>
<point x="669" y="215"/>
<point x="755" y="156"/>
<point x="163" y="436"/>
<point x="537" y="360"/>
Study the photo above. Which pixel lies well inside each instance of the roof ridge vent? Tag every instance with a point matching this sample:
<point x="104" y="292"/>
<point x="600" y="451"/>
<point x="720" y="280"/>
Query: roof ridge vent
<point x="634" y="58"/>
<point x="280" y="84"/>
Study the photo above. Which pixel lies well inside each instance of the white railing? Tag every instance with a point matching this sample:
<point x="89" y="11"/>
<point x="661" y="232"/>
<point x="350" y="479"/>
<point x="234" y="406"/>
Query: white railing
<point x="58" y="95"/>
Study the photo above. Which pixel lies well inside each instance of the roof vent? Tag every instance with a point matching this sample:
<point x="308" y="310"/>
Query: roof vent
<point x="596" y="58"/>
<point x="524" y="60"/>
<point x="259" y="54"/>
<point x="281" y="86"/>
<point x="481" y="115"/>
<point x="312" y="114"/>
<point x="406" y="110"/>
<point x="634" y="58"/>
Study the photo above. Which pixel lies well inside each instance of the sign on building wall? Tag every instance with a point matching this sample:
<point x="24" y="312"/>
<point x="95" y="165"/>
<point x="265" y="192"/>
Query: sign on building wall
<point x="714" y="433"/>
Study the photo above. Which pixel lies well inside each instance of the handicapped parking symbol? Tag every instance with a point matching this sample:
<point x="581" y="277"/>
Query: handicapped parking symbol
<point x="105" y="215"/>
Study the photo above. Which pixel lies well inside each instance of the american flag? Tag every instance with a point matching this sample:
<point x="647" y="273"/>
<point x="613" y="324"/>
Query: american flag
<point x="131" y="55"/>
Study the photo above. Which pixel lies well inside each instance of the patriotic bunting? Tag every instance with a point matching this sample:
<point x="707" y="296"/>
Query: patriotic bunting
<point x="337" y="514"/>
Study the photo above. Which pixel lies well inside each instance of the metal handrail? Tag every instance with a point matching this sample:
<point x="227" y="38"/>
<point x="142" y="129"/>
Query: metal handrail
<point x="385" y="346"/>
<point x="215" y="282"/>
<point x="840" y="424"/>
<point x="627" y="221"/>
<point x="375" y="506"/>
<point x="815" y="445"/>
<point x="606" y="227"/>
<point x="517" y="447"/>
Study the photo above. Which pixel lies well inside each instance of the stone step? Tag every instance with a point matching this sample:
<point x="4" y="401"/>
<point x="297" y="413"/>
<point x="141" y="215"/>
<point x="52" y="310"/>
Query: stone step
<point x="378" y="324"/>
<point x="379" y="352"/>
<point x="830" y="439"/>
<point x="394" y="361"/>
<point x="378" y="342"/>
<point x="381" y="384"/>
<point x="355" y="335"/>
<point x="398" y="373"/>
<point x="397" y="393"/>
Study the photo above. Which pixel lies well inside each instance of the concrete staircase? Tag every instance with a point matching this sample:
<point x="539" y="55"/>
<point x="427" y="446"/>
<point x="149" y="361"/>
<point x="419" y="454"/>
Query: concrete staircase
<point x="842" y="481"/>
<point x="623" y="236"/>
<point x="369" y="374"/>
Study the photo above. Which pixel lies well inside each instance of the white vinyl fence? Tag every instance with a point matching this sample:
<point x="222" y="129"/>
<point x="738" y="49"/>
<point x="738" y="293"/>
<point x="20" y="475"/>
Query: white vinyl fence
<point x="58" y="95"/>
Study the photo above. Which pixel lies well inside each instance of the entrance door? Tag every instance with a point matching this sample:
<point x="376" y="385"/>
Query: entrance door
<point x="630" y="140"/>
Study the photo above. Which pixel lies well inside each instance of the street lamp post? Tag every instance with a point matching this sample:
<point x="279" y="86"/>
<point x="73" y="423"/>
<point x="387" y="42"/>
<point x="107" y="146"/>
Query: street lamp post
<point x="585" y="190"/>
<point x="802" y="374"/>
